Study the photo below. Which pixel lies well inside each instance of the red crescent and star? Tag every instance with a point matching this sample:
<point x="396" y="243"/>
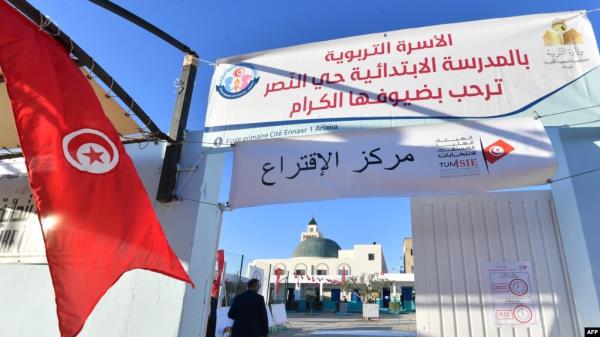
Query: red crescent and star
<point x="93" y="155"/>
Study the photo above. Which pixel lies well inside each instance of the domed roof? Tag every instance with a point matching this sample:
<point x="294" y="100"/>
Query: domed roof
<point x="316" y="247"/>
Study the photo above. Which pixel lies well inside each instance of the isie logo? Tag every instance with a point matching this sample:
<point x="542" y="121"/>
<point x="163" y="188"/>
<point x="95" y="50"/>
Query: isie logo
<point x="497" y="150"/>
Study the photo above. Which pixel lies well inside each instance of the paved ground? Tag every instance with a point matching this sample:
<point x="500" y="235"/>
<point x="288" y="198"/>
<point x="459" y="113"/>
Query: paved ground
<point x="331" y="325"/>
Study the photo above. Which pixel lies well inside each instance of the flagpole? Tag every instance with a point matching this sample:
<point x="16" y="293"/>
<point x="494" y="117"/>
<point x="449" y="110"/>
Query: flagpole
<point x="268" y="285"/>
<point x="185" y="88"/>
<point x="239" y="275"/>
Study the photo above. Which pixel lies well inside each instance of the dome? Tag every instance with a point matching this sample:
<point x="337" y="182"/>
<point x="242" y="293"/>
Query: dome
<point x="316" y="247"/>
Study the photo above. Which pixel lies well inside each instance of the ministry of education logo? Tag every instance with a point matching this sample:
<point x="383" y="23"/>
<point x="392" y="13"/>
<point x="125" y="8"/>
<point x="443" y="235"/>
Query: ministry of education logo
<point x="91" y="151"/>
<point x="560" y="34"/>
<point x="237" y="81"/>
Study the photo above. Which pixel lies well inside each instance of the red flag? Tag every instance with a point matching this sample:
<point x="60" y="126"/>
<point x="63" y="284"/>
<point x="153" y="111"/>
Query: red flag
<point x="96" y="218"/>
<point x="220" y="265"/>
<point x="278" y="276"/>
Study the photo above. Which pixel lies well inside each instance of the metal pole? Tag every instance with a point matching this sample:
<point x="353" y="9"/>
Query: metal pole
<point x="185" y="85"/>
<point x="287" y="280"/>
<point x="168" y="175"/>
<point x="269" y="285"/>
<point x="222" y="288"/>
<point x="127" y="15"/>
<point x="239" y="275"/>
<point x="84" y="59"/>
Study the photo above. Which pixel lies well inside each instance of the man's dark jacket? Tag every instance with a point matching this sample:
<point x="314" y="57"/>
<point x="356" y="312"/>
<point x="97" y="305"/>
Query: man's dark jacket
<point x="249" y="315"/>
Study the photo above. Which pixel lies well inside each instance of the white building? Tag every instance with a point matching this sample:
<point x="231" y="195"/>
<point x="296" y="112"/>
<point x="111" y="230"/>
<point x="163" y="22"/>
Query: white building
<point x="318" y="265"/>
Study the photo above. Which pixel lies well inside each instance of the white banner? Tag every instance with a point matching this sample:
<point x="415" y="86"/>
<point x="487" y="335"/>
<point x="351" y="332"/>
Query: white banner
<point x="478" y="69"/>
<point x="408" y="161"/>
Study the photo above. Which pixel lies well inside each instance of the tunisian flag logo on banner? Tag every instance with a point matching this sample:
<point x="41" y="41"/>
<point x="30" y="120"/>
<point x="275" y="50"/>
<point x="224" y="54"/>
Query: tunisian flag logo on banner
<point x="96" y="217"/>
<point x="497" y="150"/>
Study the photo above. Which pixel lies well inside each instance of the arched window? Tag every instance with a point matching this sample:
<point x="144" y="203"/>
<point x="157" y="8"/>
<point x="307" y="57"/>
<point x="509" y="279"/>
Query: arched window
<point x="322" y="269"/>
<point x="300" y="269"/>
<point x="280" y="266"/>
<point x="344" y="269"/>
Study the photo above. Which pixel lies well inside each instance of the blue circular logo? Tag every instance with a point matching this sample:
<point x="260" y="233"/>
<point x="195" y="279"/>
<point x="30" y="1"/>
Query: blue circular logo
<point x="237" y="81"/>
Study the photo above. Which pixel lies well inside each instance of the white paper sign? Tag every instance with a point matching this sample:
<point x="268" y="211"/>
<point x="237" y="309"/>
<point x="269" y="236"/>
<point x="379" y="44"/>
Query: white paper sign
<point x="512" y="293"/>
<point x="408" y="161"/>
<point x="370" y="310"/>
<point x="259" y="274"/>
<point x="21" y="239"/>
<point x="223" y="321"/>
<point x="279" y="314"/>
<point x="488" y="68"/>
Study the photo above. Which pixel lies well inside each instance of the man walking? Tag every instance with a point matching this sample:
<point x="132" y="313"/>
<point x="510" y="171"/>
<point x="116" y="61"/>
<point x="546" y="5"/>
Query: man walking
<point x="249" y="313"/>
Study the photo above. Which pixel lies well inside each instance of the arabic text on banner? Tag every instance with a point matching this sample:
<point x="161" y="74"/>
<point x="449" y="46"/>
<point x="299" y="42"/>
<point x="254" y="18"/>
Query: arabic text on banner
<point x="488" y="68"/>
<point x="407" y="161"/>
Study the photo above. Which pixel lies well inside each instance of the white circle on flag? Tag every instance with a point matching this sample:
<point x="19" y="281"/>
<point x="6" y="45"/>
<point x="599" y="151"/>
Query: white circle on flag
<point x="91" y="151"/>
<point x="496" y="151"/>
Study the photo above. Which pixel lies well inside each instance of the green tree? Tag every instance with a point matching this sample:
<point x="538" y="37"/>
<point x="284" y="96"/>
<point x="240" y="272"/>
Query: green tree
<point x="369" y="287"/>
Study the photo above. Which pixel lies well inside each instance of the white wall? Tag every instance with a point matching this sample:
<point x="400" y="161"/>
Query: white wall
<point x="142" y="303"/>
<point x="357" y="259"/>
<point x="453" y="236"/>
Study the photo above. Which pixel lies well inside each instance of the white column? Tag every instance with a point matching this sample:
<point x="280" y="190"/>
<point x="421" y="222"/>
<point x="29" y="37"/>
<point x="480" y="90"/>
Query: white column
<point x="576" y="209"/>
<point x="202" y="233"/>
<point x="321" y="291"/>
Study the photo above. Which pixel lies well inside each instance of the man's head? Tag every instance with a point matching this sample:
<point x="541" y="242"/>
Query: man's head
<point x="254" y="285"/>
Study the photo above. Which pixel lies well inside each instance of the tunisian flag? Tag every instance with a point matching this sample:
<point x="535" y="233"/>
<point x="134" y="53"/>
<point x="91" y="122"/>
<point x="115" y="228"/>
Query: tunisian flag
<point x="214" y="292"/>
<point x="278" y="278"/>
<point x="96" y="218"/>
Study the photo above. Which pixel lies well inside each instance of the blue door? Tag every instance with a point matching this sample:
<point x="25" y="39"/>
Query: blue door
<point x="355" y="297"/>
<point x="335" y="295"/>
<point x="386" y="297"/>
<point x="407" y="294"/>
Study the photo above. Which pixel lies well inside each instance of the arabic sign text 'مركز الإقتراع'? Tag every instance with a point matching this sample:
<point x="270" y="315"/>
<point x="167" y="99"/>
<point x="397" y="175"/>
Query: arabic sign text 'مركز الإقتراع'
<point x="320" y="162"/>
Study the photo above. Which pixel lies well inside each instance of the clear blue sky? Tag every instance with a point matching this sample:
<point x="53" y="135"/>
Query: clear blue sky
<point x="146" y="67"/>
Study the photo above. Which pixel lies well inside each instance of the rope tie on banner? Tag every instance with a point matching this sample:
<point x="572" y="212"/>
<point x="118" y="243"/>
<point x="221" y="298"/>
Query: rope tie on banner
<point x="210" y="63"/>
<point x="45" y="22"/>
<point x="72" y="47"/>
<point x="223" y="206"/>
<point x="537" y="116"/>
<point x="551" y="181"/>
<point x="179" y="86"/>
<point x="91" y="71"/>
<point x="110" y="88"/>
<point x="129" y="109"/>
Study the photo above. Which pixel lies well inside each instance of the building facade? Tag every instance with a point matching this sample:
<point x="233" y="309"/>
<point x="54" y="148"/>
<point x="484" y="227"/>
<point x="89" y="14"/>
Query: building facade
<point x="318" y="266"/>
<point x="407" y="248"/>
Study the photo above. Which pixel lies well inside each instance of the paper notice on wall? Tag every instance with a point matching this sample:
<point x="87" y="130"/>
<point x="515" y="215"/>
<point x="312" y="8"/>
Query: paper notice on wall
<point x="21" y="239"/>
<point x="259" y="274"/>
<point x="512" y="293"/>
